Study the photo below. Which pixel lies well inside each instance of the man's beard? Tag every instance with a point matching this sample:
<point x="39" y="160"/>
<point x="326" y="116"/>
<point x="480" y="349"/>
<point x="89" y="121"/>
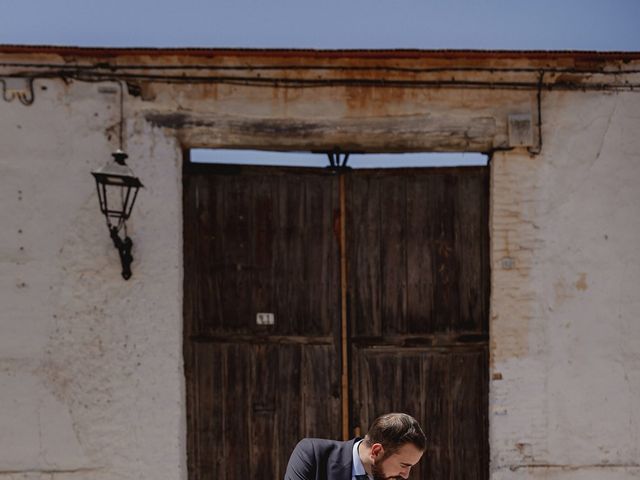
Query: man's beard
<point x="378" y="473"/>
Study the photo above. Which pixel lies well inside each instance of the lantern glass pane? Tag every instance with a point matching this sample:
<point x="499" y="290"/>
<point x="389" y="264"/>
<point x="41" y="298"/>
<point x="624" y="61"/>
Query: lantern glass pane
<point x="114" y="183"/>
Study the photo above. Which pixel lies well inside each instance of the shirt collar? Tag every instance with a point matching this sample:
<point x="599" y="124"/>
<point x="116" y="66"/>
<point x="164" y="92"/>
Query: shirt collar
<point x="358" y="467"/>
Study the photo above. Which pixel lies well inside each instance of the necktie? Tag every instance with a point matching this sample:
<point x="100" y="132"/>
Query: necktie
<point x="362" y="477"/>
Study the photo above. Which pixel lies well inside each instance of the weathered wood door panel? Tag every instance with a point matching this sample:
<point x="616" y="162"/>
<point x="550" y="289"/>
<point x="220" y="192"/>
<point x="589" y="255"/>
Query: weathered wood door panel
<point x="446" y="389"/>
<point x="266" y="240"/>
<point x="418" y="283"/>
<point x="259" y="240"/>
<point x="254" y="402"/>
<point x="418" y="252"/>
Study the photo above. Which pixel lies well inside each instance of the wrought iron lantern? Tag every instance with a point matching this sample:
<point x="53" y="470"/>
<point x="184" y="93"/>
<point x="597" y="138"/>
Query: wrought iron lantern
<point x="117" y="191"/>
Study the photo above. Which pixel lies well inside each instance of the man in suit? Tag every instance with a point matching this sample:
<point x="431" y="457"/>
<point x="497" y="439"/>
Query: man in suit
<point x="394" y="443"/>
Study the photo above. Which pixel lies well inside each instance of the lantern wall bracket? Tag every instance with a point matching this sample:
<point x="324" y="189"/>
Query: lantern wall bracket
<point x="124" y="249"/>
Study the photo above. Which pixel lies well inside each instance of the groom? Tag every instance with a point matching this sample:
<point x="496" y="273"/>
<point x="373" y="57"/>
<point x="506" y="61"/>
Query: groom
<point x="395" y="443"/>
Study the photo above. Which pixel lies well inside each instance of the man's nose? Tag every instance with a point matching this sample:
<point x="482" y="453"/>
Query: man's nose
<point x="404" y="473"/>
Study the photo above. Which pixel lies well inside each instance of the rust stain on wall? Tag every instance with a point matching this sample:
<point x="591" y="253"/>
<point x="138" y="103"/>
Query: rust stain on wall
<point x="562" y="292"/>
<point x="581" y="284"/>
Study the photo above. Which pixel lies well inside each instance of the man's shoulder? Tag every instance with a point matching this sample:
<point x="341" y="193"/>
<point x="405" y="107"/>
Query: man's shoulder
<point x="323" y="441"/>
<point x="321" y="444"/>
<point x="320" y="459"/>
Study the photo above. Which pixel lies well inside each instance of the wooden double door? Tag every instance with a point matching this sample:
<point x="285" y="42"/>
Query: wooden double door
<point x="410" y="284"/>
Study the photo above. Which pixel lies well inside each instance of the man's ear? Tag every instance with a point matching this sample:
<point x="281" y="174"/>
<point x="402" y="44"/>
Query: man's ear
<point x="377" y="450"/>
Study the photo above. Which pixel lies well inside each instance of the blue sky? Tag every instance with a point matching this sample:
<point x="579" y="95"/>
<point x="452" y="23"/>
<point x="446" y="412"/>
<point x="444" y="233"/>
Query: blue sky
<point x="425" y="24"/>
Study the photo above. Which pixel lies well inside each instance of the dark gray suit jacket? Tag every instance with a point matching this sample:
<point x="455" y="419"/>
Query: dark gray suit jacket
<point x="318" y="459"/>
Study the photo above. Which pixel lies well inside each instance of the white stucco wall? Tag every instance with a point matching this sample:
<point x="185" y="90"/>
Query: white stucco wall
<point x="565" y="329"/>
<point x="91" y="380"/>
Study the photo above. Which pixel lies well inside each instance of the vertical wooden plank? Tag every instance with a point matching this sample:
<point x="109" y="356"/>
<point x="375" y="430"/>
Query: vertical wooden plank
<point x="384" y="383"/>
<point x="289" y="405"/>
<point x="211" y="251"/>
<point x="289" y="272"/>
<point x="298" y="273"/>
<point x="321" y="392"/>
<point x="360" y="388"/>
<point x="312" y="237"/>
<point x="201" y="221"/>
<point x="393" y="259"/>
<point x="261" y="416"/>
<point x="470" y="229"/>
<point x="237" y="418"/>
<point x="420" y="275"/>
<point x="469" y="413"/>
<point x="212" y="256"/>
<point x="224" y="280"/>
<point x="330" y="272"/>
<point x="237" y="311"/>
<point x="321" y="255"/>
<point x="262" y="244"/>
<point x="208" y="455"/>
<point x="411" y="398"/>
<point x="261" y="226"/>
<point x="364" y="255"/>
<point x="443" y="248"/>
<point x="437" y="461"/>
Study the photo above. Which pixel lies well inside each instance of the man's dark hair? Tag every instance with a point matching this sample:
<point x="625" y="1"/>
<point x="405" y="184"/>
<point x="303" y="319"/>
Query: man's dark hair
<point x="393" y="430"/>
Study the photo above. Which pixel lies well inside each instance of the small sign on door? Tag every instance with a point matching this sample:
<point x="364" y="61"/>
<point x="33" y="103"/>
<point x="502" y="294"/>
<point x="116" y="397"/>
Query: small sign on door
<point x="265" y="319"/>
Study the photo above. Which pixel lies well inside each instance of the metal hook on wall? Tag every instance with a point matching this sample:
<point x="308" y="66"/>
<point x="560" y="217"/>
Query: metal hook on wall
<point x="18" y="87"/>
